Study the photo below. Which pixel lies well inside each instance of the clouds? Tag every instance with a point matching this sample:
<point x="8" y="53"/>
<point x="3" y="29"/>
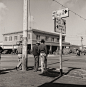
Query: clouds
<point x="70" y="3"/>
<point x="3" y="10"/>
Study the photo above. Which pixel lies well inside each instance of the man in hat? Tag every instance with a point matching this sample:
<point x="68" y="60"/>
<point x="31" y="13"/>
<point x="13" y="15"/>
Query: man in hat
<point x="42" y="49"/>
<point x="36" y="56"/>
<point x="19" y="49"/>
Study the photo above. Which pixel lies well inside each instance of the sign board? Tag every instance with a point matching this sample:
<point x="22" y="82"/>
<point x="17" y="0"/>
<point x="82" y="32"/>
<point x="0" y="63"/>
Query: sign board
<point x="60" y="25"/>
<point x="60" y="13"/>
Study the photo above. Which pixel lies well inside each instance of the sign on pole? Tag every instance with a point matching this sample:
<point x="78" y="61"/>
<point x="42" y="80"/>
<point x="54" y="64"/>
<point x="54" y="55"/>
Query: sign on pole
<point x="62" y="13"/>
<point x="60" y="26"/>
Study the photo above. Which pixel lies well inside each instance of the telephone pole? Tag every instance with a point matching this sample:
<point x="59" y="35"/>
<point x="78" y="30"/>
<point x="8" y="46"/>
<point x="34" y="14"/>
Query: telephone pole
<point x="25" y="33"/>
<point x="61" y="52"/>
<point x="82" y="43"/>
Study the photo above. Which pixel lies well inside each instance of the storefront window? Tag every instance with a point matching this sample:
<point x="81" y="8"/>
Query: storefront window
<point x="52" y="39"/>
<point x="21" y="37"/>
<point x="10" y="38"/>
<point x="15" y="37"/>
<point x="46" y="38"/>
<point x="37" y="37"/>
<point x="5" y="38"/>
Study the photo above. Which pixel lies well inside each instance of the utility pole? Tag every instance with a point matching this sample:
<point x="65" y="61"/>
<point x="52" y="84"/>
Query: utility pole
<point x="60" y="27"/>
<point x="55" y="24"/>
<point x="61" y="52"/>
<point x="82" y="43"/>
<point x="25" y="33"/>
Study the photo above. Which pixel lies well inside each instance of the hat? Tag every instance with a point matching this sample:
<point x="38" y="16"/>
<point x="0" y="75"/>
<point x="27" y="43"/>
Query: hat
<point x="42" y="41"/>
<point x="38" y="42"/>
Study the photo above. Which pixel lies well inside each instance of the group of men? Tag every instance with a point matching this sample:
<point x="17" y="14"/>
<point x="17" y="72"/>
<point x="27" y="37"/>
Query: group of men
<point x="39" y="51"/>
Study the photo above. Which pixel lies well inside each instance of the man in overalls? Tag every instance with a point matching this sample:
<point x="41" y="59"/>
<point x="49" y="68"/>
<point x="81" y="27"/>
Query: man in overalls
<point x="42" y="49"/>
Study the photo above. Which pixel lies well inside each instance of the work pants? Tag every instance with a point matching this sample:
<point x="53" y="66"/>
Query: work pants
<point x="43" y="62"/>
<point x="36" y="62"/>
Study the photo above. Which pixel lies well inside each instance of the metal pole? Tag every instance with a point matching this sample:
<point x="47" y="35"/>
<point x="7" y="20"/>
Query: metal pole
<point x="29" y="15"/>
<point x="25" y="33"/>
<point x="82" y="43"/>
<point x="61" y="52"/>
<point x="55" y="24"/>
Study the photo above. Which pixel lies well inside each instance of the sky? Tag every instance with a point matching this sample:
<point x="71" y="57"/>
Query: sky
<point x="11" y="17"/>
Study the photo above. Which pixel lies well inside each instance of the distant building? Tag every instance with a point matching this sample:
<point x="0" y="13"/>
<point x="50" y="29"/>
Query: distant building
<point x="51" y="39"/>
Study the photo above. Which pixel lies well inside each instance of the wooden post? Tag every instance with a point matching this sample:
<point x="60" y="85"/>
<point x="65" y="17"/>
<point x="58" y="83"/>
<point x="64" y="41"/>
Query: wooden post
<point x="82" y="43"/>
<point x="25" y="32"/>
<point x="61" y="52"/>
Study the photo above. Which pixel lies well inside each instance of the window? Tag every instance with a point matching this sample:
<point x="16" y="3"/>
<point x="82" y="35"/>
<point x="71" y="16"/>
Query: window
<point x="28" y="36"/>
<point x="10" y="38"/>
<point x="15" y="37"/>
<point x="37" y="37"/>
<point x="63" y="39"/>
<point x="46" y="38"/>
<point x="5" y="38"/>
<point x="57" y="39"/>
<point x="21" y="37"/>
<point x="52" y="39"/>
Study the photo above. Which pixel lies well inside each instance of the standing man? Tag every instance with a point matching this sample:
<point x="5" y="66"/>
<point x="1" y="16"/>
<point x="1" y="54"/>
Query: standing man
<point x="36" y="57"/>
<point x="42" y="49"/>
<point x="1" y="50"/>
<point x="19" y="49"/>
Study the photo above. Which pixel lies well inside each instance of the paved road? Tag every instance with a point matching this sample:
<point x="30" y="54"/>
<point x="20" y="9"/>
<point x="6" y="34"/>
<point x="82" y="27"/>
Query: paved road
<point x="10" y="61"/>
<point x="73" y="77"/>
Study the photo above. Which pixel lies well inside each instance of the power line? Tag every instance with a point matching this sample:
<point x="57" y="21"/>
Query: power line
<point x="70" y="10"/>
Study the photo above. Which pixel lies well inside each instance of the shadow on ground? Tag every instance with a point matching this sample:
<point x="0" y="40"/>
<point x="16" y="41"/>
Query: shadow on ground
<point x="56" y="75"/>
<point x="60" y="85"/>
<point x="71" y="69"/>
<point x="30" y="68"/>
<point x="50" y="73"/>
<point x="4" y="71"/>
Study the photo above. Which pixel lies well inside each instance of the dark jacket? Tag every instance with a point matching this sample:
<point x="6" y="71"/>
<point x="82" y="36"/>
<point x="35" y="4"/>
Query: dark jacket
<point x="42" y="49"/>
<point x="1" y="49"/>
<point x="35" y="50"/>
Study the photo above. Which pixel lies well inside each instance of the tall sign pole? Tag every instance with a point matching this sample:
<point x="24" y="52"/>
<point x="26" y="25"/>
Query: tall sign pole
<point x="60" y="27"/>
<point x="25" y="32"/>
<point x="61" y="52"/>
<point x="82" y="43"/>
<point x="54" y="24"/>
